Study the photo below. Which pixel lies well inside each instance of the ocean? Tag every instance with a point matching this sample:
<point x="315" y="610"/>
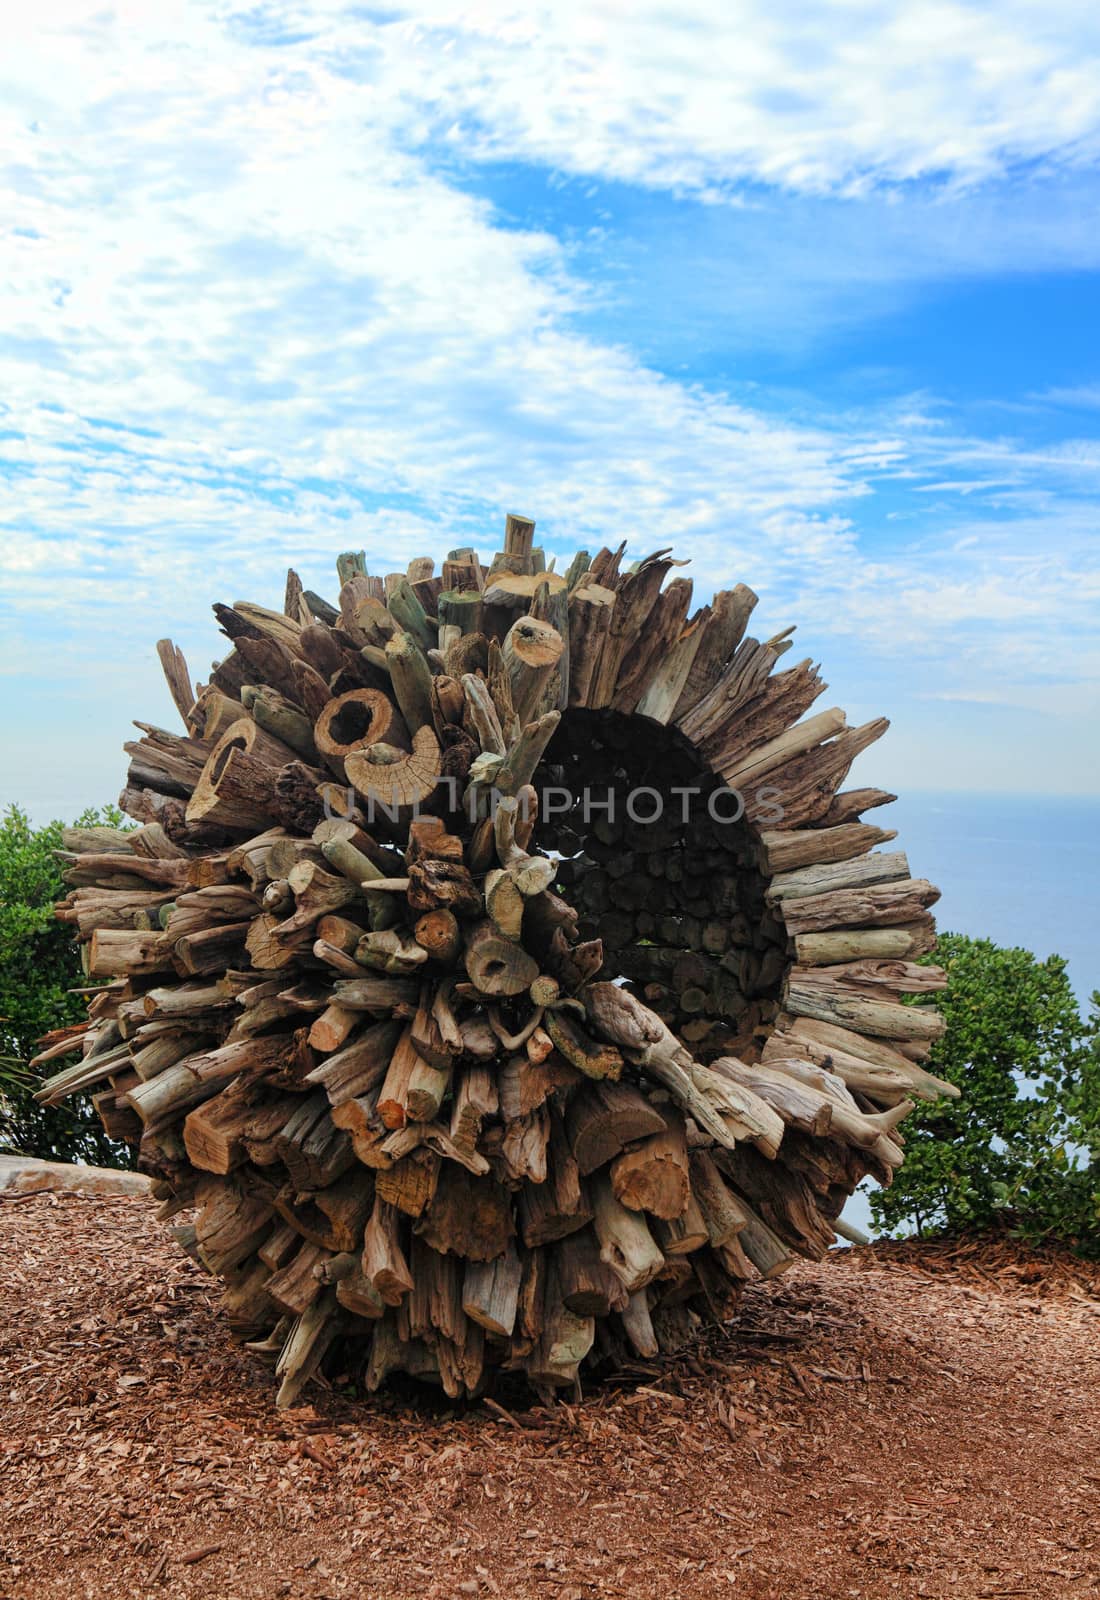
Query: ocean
<point x="1018" y="869"/>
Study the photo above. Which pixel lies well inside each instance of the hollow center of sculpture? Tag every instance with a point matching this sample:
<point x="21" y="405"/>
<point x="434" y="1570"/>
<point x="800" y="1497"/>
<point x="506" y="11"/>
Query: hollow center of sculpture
<point x="660" y="867"/>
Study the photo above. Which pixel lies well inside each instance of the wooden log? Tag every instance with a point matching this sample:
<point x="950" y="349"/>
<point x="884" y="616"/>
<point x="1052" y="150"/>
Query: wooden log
<point x="635" y="599"/>
<point x="723" y="1214"/>
<point x="333" y="1217"/>
<point x="411" y="678"/>
<point x="523" y="1148"/>
<point x="356" y="721"/>
<point x="524" y="756"/>
<point x="438" y="932"/>
<point x="281" y="717"/>
<point x="564" y="1339"/>
<point x="497" y="965"/>
<point x="294" y="1287"/>
<point x="768" y="1254"/>
<point x="232" y="1220"/>
<point x="117" y="951"/>
<point x="796" y="741"/>
<point x="805" y="784"/>
<point x="304" y="1351"/>
<point x="626" y="1244"/>
<point x="382" y="996"/>
<point x="854" y="944"/>
<point x="395" y="783"/>
<point x="846" y="807"/>
<point x="331" y="1029"/>
<point x="490" y="1292"/>
<point x="638" y="1326"/>
<point x="880" y="1018"/>
<point x="460" y="609"/>
<point x="174" y="666"/>
<point x="470" y="1216"/>
<point x="213" y="1134"/>
<point x="667" y="682"/>
<point x="808" y="1112"/>
<point x="531" y="650"/>
<point x="234" y="788"/>
<point x="653" y="645"/>
<point x="725" y="628"/>
<point x="590" y="612"/>
<point x="475" y="1098"/>
<point x="201" y="1075"/>
<point x="312" y="1149"/>
<point x="434" y="884"/>
<point x="390" y="951"/>
<point x="393" y="1101"/>
<point x="595" y="1058"/>
<point x="838" y="1048"/>
<point x="361" y="1065"/>
<point x="788" y="850"/>
<point x="653" y="1175"/>
<point x="411" y="1182"/>
<point x="883" y="978"/>
<point x="358" y="1295"/>
<point x="830" y="876"/>
<point x="405" y="607"/>
<point x="680" y="1236"/>
<point x="384" y="1265"/>
<point x="881" y="905"/>
<point x="588" y="1284"/>
<point x="604" y="1117"/>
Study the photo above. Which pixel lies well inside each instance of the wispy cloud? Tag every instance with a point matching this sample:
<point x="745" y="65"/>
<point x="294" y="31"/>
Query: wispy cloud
<point x="254" y="317"/>
<point x="708" y="94"/>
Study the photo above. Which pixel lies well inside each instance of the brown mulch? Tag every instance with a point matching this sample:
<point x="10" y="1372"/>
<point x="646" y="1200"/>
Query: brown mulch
<point x="888" y="1423"/>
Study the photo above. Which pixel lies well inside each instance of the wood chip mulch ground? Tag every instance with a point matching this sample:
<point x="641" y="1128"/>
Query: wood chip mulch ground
<point x="916" y="1421"/>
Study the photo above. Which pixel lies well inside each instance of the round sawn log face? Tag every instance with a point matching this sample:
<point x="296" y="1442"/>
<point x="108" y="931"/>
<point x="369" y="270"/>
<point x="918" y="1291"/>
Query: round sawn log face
<point x="498" y="976"/>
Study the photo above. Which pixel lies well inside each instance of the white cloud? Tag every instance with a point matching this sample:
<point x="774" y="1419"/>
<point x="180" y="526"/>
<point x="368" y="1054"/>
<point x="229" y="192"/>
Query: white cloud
<point x="709" y="93"/>
<point x="252" y="324"/>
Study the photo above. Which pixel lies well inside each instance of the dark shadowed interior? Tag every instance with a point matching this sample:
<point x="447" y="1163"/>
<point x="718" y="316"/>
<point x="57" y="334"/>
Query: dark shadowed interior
<point x="677" y="900"/>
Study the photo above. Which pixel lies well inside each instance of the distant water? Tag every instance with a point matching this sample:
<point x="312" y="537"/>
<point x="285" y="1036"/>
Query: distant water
<point x="1017" y="869"/>
<point x="1020" y="870"/>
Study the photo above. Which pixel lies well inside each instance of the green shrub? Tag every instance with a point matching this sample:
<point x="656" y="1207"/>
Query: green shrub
<point x="1021" y="1147"/>
<point x="39" y="964"/>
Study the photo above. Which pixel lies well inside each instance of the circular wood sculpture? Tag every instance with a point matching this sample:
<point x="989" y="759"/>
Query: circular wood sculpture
<point x="497" y="970"/>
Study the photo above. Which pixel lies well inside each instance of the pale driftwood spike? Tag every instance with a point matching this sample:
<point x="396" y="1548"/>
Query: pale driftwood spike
<point x="878" y="905"/>
<point x="855" y="944"/>
<point x="827" y="877"/>
<point x="411" y="678"/>
<point x="590" y="612"/>
<point x="796" y="741"/>
<point x="782" y="851"/>
<point x="177" y="677"/>
<point x="725" y="628"/>
<point x="667" y="681"/>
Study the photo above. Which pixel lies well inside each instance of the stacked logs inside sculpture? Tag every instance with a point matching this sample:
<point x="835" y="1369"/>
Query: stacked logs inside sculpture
<point x="497" y="974"/>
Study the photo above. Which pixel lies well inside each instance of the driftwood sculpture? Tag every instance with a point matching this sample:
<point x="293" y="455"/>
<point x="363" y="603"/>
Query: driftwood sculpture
<point x="497" y="973"/>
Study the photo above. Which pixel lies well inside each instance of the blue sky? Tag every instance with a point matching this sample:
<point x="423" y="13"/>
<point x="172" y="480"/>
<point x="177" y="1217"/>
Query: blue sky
<point x="811" y="292"/>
